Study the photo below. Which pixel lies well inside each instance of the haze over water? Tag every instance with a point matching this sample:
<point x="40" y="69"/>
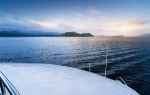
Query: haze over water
<point x="127" y="57"/>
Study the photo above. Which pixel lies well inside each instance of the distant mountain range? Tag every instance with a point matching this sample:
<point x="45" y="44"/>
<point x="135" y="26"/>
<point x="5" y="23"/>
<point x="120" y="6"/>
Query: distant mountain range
<point x="27" y="34"/>
<point x="14" y="33"/>
<point x="18" y="33"/>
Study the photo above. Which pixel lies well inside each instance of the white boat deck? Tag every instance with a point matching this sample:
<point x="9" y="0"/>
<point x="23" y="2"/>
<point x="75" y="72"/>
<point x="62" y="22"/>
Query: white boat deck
<point x="46" y="79"/>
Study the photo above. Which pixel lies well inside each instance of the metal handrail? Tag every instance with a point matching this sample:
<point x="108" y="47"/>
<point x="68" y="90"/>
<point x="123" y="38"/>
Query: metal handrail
<point x="121" y="80"/>
<point x="11" y="89"/>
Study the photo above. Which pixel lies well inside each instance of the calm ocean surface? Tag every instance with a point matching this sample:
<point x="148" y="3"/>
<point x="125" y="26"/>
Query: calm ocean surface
<point x="128" y="58"/>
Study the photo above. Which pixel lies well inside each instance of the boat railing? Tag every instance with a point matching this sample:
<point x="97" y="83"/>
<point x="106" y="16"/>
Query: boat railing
<point x="120" y="79"/>
<point x="6" y="86"/>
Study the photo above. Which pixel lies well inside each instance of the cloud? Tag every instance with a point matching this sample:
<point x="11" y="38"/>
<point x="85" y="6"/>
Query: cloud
<point x="140" y="21"/>
<point x="91" y="20"/>
<point x="77" y="14"/>
<point x="77" y="21"/>
<point x="94" y="11"/>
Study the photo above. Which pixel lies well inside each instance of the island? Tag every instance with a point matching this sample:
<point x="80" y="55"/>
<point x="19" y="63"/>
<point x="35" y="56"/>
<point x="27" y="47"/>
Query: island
<point x="74" y="34"/>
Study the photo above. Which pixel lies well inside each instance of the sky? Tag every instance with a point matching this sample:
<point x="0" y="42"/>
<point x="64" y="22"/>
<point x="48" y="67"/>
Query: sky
<point x="99" y="17"/>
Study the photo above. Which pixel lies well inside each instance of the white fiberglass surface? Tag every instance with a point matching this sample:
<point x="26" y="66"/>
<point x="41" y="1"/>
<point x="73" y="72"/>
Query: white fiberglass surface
<point x="46" y="79"/>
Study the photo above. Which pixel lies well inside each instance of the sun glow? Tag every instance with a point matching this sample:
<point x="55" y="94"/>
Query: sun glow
<point x="123" y="28"/>
<point x="128" y="27"/>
